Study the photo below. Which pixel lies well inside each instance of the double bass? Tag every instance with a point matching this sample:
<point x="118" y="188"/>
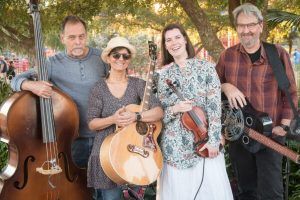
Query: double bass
<point x="39" y="132"/>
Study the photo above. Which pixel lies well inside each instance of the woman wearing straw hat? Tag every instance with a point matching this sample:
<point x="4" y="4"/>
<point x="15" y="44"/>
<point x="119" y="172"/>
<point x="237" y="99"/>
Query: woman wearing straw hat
<point x="106" y="110"/>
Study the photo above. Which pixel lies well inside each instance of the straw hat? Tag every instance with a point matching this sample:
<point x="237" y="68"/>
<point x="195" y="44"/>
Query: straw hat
<point x="117" y="42"/>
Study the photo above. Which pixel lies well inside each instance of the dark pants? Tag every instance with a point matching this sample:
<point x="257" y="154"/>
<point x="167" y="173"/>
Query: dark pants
<point x="81" y="150"/>
<point x="115" y="193"/>
<point x="108" y="194"/>
<point x="258" y="174"/>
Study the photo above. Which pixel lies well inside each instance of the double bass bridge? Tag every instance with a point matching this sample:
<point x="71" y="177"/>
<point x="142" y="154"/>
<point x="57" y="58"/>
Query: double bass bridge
<point x="51" y="170"/>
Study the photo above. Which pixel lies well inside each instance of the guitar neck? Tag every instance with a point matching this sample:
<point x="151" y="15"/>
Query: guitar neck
<point x="283" y="150"/>
<point x="148" y="88"/>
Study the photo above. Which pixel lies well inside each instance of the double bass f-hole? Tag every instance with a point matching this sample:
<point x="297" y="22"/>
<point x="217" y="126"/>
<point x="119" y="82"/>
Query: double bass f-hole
<point x="195" y="121"/>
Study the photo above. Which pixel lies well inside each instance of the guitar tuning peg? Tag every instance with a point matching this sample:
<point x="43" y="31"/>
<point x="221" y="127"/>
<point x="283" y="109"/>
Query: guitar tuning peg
<point x="154" y="89"/>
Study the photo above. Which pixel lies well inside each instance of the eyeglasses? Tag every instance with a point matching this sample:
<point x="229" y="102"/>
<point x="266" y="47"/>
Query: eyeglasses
<point x="250" y="26"/>
<point x="118" y="56"/>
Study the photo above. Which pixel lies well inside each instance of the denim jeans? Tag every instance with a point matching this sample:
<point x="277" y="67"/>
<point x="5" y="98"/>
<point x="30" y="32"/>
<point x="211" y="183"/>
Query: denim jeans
<point x="81" y="150"/>
<point x="108" y="194"/>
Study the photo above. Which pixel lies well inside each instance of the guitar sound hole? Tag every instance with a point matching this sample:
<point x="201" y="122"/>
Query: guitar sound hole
<point x="245" y="139"/>
<point x="142" y="128"/>
<point x="249" y="121"/>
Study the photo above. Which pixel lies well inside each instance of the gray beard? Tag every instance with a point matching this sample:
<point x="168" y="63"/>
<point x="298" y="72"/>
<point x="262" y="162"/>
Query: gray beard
<point x="249" y="43"/>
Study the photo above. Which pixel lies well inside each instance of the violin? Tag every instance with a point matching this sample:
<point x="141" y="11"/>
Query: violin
<point x="195" y="121"/>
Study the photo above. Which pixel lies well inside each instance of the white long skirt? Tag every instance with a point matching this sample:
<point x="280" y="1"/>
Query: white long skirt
<point x="182" y="184"/>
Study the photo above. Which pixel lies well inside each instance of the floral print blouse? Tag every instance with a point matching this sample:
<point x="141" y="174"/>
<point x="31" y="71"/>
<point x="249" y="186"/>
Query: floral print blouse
<point x="199" y="82"/>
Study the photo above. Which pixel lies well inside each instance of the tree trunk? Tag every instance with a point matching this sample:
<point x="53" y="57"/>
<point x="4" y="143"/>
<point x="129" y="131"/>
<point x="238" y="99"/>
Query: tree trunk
<point x="264" y="10"/>
<point x="207" y="35"/>
<point x="232" y="4"/>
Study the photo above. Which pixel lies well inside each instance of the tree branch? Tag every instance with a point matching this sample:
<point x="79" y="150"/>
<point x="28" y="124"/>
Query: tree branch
<point x="207" y="35"/>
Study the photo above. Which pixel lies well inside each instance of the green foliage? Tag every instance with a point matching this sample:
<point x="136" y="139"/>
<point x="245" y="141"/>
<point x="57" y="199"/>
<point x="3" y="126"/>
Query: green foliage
<point x="3" y="155"/>
<point x="5" y="91"/>
<point x="276" y="17"/>
<point x="294" y="176"/>
<point x="150" y="193"/>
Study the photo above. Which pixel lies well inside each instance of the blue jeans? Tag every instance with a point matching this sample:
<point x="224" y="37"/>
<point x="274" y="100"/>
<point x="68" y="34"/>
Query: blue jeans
<point x="108" y="194"/>
<point x="81" y="150"/>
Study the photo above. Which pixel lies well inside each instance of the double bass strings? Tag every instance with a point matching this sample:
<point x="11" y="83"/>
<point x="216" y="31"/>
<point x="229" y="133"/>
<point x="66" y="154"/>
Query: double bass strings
<point x="47" y="118"/>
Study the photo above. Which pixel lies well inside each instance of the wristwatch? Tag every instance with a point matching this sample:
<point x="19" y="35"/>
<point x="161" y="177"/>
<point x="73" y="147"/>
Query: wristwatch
<point x="138" y="116"/>
<point x="285" y="127"/>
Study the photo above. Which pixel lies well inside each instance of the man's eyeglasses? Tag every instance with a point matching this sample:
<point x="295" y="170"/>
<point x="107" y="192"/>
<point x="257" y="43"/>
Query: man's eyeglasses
<point x="250" y="26"/>
<point x="118" y="56"/>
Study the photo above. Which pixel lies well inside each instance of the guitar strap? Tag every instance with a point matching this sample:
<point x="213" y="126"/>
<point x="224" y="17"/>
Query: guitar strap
<point x="281" y="77"/>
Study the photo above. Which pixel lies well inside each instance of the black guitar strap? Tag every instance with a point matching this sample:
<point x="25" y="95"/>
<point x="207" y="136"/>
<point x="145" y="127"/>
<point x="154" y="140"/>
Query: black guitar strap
<point x="281" y="77"/>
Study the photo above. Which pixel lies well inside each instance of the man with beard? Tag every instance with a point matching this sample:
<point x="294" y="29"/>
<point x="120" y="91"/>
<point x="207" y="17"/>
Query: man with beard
<point x="245" y="72"/>
<point x="74" y="71"/>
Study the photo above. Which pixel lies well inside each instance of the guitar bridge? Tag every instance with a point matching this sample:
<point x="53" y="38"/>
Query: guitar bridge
<point x="139" y="150"/>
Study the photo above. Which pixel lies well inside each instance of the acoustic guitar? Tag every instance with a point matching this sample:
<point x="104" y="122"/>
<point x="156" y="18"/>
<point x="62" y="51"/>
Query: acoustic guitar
<point x="252" y="126"/>
<point x="131" y="155"/>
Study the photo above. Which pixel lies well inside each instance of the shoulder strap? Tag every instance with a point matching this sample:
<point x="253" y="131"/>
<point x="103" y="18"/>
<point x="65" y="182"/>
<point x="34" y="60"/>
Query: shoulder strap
<point x="277" y="66"/>
<point x="281" y="77"/>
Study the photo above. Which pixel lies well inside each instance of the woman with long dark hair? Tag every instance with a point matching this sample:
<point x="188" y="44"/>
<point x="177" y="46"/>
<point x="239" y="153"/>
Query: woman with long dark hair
<point x="185" y="174"/>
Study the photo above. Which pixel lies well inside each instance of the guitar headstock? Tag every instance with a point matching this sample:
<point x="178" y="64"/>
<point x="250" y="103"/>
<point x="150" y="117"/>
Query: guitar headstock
<point x="152" y="50"/>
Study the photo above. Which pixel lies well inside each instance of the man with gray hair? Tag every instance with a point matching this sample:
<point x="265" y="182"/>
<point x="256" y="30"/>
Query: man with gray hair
<point x="245" y="73"/>
<point x="74" y="71"/>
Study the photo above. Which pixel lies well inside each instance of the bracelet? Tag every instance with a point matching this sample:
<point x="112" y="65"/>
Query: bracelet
<point x="138" y="116"/>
